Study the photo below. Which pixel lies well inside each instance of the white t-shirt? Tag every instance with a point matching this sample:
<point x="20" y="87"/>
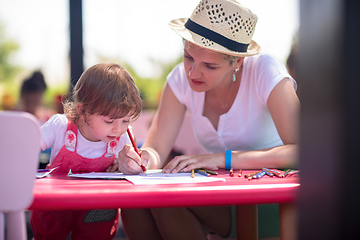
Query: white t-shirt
<point x="53" y="136"/>
<point x="248" y="124"/>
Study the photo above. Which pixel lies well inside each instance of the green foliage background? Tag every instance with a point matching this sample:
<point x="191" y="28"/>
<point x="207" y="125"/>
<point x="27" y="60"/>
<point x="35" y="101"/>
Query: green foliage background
<point x="10" y="74"/>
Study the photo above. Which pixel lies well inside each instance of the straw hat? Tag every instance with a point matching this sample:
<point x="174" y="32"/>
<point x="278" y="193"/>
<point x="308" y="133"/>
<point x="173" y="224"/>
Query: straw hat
<point x="220" y="25"/>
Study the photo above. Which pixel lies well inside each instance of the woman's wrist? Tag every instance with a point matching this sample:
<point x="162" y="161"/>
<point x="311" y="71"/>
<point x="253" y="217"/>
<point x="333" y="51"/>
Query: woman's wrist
<point x="228" y="159"/>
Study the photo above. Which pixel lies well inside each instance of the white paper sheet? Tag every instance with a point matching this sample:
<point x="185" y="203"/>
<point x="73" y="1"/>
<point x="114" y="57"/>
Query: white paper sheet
<point x="44" y="174"/>
<point x="152" y="177"/>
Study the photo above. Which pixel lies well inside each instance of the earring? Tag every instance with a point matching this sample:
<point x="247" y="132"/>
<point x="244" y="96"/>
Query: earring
<point x="234" y="76"/>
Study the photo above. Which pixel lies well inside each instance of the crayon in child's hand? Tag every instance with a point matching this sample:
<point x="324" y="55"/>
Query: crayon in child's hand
<point x="136" y="149"/>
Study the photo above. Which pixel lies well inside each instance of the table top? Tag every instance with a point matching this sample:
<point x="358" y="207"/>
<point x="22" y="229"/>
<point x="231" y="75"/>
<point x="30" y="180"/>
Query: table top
<point x="60" y="192"/>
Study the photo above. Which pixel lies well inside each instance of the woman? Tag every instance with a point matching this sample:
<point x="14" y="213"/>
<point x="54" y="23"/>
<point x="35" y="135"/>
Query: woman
<point x="244" y="111"/>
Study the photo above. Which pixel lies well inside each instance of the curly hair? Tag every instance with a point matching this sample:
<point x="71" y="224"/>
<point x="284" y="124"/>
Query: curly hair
<point x="106" y="89"/>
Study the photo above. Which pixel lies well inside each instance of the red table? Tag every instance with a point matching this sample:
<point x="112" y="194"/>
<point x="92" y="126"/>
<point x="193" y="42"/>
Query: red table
<point x="62" y="192"/>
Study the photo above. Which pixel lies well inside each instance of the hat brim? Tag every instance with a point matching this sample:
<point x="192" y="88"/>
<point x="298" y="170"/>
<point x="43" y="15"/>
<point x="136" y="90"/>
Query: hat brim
<point x="178" y="26"/>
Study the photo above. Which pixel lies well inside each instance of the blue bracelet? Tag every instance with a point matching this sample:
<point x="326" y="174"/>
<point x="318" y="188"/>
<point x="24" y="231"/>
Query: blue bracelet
<point x="228" y="160"/>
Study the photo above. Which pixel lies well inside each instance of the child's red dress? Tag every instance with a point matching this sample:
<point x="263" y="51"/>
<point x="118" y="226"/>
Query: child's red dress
<point x="83" y="224"/>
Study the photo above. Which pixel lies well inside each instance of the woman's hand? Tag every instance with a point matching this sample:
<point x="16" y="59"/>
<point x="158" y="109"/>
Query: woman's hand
<point x="194" y="161"/>
<point x="129" y="161"/>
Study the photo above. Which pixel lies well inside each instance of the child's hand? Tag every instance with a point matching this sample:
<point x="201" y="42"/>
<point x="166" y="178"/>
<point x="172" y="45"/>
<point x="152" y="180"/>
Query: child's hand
<point x="113" y="168"/>
<point x="129" y="161"/>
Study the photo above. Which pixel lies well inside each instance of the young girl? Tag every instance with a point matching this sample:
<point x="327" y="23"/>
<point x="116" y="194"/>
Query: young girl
<point x="87" y="138"/>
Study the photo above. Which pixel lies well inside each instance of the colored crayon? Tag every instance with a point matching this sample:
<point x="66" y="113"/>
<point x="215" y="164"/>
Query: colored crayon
<point x="251" y="174"/>
<point x="211" y="172"/>
<point x="259" y="175"/>
<point x="276" y="173"/>
<point x="293" y="173"/>
<point x="285" y="173"/>
<point x="202" y="173"/>
<point x="136" y="149"/>
<point x="270" y="174"/>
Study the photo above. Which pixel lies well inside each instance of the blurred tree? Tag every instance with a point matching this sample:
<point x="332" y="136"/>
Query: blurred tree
<point x="8" y="70"/>
<point x="150" y="88"/>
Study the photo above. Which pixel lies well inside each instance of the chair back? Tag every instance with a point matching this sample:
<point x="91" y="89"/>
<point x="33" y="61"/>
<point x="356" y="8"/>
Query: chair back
<point x="19" y="159"/>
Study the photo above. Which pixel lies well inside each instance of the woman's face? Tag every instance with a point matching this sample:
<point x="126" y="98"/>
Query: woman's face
<point x="205" y="69"/>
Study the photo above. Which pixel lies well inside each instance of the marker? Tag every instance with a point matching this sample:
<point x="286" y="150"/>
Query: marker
<point x="192" y="173"/>
<point x="43" y="170"/>
<point x="240" y="173"/>
<point x="136" y="149"/>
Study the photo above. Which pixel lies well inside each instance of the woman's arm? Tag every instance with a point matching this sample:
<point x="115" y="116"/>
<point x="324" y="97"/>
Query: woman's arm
<point x="284" y="107"/>
<point x="164" y="129"/>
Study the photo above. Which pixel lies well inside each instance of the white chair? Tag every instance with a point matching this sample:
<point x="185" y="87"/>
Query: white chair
<point x="19" y="157"/>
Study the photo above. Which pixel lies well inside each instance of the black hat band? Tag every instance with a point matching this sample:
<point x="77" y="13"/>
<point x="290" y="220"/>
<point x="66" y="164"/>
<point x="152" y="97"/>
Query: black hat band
<point x="216" y="37"/>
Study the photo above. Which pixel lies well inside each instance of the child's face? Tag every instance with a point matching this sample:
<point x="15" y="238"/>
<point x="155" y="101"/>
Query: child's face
<point x="103" y="128"/>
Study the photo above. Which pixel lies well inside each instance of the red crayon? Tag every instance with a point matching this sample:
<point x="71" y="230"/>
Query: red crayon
<point x="136" y="149"/>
